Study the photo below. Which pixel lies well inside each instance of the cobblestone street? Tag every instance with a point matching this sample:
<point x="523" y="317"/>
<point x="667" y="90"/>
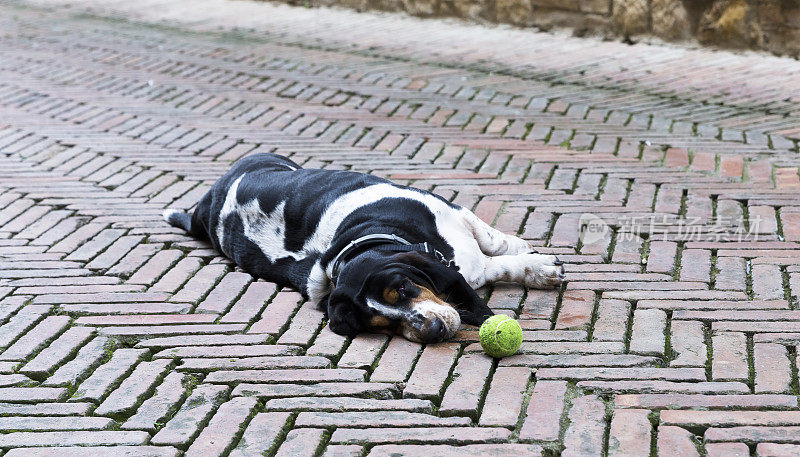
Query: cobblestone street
<point x="675" y="334"/>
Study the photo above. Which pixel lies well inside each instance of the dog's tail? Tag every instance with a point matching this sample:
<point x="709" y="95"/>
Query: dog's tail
<point x="178" y="219"/>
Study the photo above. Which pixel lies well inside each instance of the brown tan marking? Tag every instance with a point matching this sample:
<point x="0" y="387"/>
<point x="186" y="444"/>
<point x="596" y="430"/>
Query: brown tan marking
<point x="428" y="295"/>
<point x="379" y="321"/>
<point x="391" y="295"/>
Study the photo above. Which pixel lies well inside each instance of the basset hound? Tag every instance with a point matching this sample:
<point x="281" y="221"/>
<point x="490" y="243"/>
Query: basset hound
<point x="374" y="255"/>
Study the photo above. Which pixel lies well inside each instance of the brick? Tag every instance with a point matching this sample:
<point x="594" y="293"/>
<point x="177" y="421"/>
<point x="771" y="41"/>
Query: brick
<point x="43" y="423"/>
<point x="322" y="389"/>
<point x="100" y="297"/>
<point x="729" y="362"/>
<point x="252" y="301"/>
<point x="199" y="284"/>
<point x="88" y="357"/>
<point x="261" y="435"/>
<point x="155" y="266"/>
<point x="772" y="371"/>
<point x="584" y="435"/>
<point x="301" y="442"/>
<point x="165" y="400"/>
<point x="20" y="323"/>
<point x="223" y="428"/>
<point x="431" y="372"/>
<point x="229" y="351"/>
<point x="731" y="274"/>
<point x="93" y="451"/>
<point x="688" y="344"/>
<point x="84" y="438"/>
<point x="764" y="326"/>
<point x="767" y="282"/>
<point x="286" y="375"/>
<point x="463" y="395"/>
<point x="695" y="265"/>
<point x="134" y="388"/>
<point x="50" y="357"/>
<point x="672" y="374"/>
<point x="504" y="399"/>
<point x="662" y="257"/>
<point x="572" y="347"/>
<point x="328" y="344"/>
<point x="396" y="361"/>
<point x="44" y="409"/>
<point x="544" y="412"/>
<point x="92" y="247"/>
<point x="363" y="351"/>
<point x="727" y="449"/>
<point x="612" y="320"/>
<point x="539" y="304"/>
<point x="222" y="295"/>
<point x="347" y="404"/>
<point x="455" y="435"/>
<point x="36" y="338"/>
<point x="385" y="418"/>
<point x="277" y="313"/>
<point x="676" y="441"/>
<point x="201" y="340"/>
<point x="97" y="386"/>
<point x="149" y="331"/>
<point x="13" y="380"/>
<point x="679" y="401"/>
<point x="177" y="275"/>
<point x="648" y="332"/>
<point x="762" y="219"/>
<point x="476" y="450"/>
<point x="156" y="319"/>
<point x="31" y="394"/>
<point x="192" y="415"/>
<point x="303" y="326"/>
<point x="343" y="450"/>
<point x="666" y="386"/>
<point x="753" y="434"/>
<point x="629" y="432"/>
<point x="774" y="449"/>
<point x="252" y="363"/>
<point x="134" y="259"/>
<point x="576" y="309"/>
<point x="506" y="297"/>
<point x="688" y="418"/>
<point x="116" y="251"/>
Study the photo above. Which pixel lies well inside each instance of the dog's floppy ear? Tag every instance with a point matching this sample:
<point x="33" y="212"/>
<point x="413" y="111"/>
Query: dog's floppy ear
<point x="449" y="283"/>
<point x="342" y="315"/>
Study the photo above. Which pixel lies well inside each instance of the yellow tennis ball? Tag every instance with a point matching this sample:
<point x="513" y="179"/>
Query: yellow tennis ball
<point x="501" y="336"/>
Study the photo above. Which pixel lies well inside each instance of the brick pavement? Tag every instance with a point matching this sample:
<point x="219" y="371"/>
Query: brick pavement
<point x="674" y="334"/>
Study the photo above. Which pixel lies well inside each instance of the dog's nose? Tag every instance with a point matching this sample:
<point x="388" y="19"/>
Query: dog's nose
<point x="435" y="330"/>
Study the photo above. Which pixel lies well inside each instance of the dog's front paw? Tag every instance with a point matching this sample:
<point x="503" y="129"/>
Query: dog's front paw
<point x="543" y="271"/>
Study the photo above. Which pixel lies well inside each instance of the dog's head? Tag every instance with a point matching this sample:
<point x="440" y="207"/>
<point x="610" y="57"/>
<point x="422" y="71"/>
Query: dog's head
<point x="407" y="293"/>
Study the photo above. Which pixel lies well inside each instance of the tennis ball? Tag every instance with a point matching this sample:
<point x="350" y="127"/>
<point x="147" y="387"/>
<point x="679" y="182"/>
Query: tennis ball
<point x="501" y="336"/>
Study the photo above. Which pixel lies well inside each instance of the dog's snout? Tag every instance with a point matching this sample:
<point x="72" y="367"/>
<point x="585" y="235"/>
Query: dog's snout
<point x="434" y="330"/>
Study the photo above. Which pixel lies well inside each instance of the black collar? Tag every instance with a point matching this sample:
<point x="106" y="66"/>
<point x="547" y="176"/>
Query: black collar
<point x="393" y="243"/>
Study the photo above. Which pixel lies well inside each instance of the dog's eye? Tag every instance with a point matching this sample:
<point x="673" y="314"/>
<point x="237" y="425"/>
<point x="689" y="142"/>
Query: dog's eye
<point x="401" y="291"/>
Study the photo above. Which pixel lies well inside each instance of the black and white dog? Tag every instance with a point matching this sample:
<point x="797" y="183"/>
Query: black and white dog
<point x="375" y="256"/>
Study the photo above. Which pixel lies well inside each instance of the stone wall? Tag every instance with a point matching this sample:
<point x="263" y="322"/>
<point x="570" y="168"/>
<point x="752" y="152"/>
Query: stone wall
<point x="772" y="25"/>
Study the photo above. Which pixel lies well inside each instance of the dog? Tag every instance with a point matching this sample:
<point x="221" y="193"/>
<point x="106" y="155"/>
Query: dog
<point x="375" y="256"/>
